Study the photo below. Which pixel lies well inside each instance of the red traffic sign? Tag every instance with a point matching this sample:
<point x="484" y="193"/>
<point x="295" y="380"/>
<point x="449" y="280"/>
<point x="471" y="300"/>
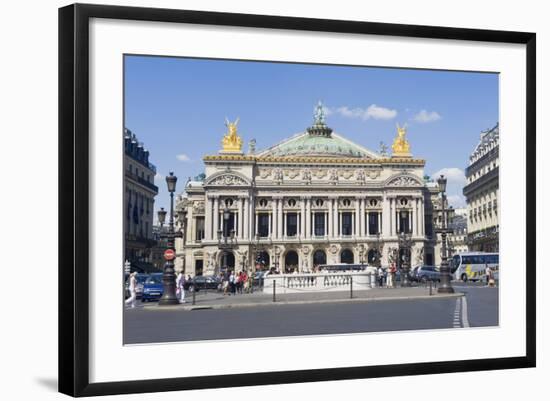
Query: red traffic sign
<point x="169" y="254"/>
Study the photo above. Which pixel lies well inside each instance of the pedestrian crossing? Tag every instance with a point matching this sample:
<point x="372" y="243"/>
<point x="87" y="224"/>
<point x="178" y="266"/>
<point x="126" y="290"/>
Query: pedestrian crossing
<point x="460" y="317"/>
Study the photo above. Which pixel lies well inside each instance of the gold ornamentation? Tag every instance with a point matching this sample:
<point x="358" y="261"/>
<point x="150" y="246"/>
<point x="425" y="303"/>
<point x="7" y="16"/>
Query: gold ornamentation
<point x="231" y="142"/>
<point x="401" y="147"/>
<point x="310" y="159"/>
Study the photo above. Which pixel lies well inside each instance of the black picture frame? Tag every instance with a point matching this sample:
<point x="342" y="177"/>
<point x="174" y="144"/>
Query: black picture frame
<point x="74" y="198"/>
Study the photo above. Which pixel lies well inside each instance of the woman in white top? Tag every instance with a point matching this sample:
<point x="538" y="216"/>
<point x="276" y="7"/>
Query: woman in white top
<point x="180" y="284"/>
<point x="132" y="288"/>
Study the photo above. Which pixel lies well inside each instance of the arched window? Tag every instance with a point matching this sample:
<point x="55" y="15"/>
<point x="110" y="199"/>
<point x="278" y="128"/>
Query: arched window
<point x="346" y="256"/>
<point x="319" y="257"/>
<point x="346" y="202"/>
<point x="263" y="202"/>
<point x="319" y="202"/>
<point x="292" y="202"/>
<point x="262" y="260"/>
<point x="228" y="202"/>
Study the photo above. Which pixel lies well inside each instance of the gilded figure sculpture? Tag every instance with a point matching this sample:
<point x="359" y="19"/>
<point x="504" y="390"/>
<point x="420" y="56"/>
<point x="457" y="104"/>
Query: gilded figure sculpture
<point x="401" y="147"/>
<point x="231" y="142"/>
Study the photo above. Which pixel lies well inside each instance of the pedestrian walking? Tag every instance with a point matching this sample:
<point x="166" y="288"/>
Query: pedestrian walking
<point x="225" y="283"/>
<point x="132" y="283"/>
<point x="180" y="287"/>
<point x="390" y="280"/>
<point x="244" y="282"/>
<point x="232" y="284"/>
<point x="488" y="275"/>
<point x="380" y="273"/>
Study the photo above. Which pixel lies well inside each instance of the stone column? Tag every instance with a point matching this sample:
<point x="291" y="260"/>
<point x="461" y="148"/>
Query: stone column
<point x="251" y="213"/>
<point x="391" y="213"/>
<point x="357" y="219"/>
<point x="308" y="217"/>
<point x="362" y="215"/>
<point x="422" y="217"/>
<point x="246" y="214"/>
<point x="339" y="223"/>
<point x="256" y="225"/>
<point x="208" y="219"/>
<point x="285" y="220"/>
<point x="216" y="214"/>
<point x="303" y="218"/>
<point x="325" y="218"/>
<point x="280" y="219"/>
<point x="379" y="222"/>
<point x="273" y="228"/>
<point x="330" y="228"/>
<point x="239" y="217"/>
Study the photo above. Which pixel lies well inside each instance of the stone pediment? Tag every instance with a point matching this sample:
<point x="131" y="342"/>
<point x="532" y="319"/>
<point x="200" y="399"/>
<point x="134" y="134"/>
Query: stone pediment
<point x="227" y="178"/>
<point x="403" y="181"/>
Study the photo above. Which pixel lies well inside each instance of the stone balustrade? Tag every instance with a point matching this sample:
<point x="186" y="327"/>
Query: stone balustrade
<point x="318" y="282"/>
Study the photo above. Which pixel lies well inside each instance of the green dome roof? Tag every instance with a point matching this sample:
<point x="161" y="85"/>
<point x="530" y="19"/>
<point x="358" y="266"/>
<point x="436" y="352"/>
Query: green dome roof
<point x="306" y="144"/>
<point x="318" y="141"/>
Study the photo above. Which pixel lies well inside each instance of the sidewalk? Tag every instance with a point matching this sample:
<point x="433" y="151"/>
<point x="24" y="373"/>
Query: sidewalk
<point x="216" y="300"/>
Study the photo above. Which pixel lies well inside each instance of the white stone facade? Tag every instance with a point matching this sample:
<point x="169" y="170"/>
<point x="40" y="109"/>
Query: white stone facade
<point x="308" y="196"/>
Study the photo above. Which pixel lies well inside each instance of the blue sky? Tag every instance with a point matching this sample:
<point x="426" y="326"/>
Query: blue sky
<point x="177" y="108"/>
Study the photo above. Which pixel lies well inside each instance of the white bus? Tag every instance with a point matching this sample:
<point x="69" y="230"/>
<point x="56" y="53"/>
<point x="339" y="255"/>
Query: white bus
<point x="470" y="266"/>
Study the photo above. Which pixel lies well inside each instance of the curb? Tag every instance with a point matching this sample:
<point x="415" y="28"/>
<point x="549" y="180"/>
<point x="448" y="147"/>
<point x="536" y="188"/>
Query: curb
<point x="321" y="301"/>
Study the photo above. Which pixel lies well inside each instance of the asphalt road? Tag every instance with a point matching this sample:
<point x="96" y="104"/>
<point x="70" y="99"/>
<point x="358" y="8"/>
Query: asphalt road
<point x="145" y="325"/>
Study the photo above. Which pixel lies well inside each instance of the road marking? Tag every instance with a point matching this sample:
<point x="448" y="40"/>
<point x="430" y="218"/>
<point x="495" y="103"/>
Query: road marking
<point x="465" y="322"/>
<point x="456" y="321"/>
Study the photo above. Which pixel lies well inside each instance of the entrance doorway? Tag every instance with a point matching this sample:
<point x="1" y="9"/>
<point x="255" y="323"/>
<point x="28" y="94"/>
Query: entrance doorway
<point x="291" y="261"/>
<point x="198" y="267"/>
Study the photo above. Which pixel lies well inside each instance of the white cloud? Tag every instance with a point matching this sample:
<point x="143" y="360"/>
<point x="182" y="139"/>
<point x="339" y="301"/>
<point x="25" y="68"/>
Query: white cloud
<point x="427" y="116"/>
<point x="456" y="201"/>
<point x="183" y="158"/>
<point x="456" y="180"/>
<point x="158" y="177"/>
<point x="454" y="175"/>
<point x="373" y="111"/>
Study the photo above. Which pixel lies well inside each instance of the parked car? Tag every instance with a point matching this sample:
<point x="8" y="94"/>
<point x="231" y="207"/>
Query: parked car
<point x="152" y="288"/>
<point x="426" y="273"/>
<point x="140" y="278"/>
<point x="202" y="283"/>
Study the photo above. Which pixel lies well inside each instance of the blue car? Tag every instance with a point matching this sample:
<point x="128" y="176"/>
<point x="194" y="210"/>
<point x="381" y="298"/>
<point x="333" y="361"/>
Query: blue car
<point x="152" y="288"/>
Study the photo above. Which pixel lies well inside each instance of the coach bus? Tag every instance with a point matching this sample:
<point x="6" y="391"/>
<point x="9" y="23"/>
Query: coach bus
<point x="470" y="266"/>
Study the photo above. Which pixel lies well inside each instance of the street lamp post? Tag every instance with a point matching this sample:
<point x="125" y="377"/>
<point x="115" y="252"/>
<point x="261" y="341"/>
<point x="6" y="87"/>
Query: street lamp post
<point x="405" y="243"/>
<point x="445" y="287"/>
<point x="169" y="276"/>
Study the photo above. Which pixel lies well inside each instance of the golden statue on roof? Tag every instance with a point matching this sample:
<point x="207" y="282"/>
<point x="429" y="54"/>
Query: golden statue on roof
<point x="231" y="142"/>
<point x="401" y="147"/>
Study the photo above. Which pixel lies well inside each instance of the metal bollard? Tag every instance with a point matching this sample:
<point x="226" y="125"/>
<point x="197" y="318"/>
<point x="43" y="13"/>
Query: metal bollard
<point x="430" y="287"/>
<point x="351" y="287"/>
<point x="194" y="291"/>
<point x="274" y="284"/>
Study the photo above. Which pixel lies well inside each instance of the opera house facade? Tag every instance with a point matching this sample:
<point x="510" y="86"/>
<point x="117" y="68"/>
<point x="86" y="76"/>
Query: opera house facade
<point x="313" y="199"/>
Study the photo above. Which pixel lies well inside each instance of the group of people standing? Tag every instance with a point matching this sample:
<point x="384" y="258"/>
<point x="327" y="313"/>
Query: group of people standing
<point x="235" y="283"/>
